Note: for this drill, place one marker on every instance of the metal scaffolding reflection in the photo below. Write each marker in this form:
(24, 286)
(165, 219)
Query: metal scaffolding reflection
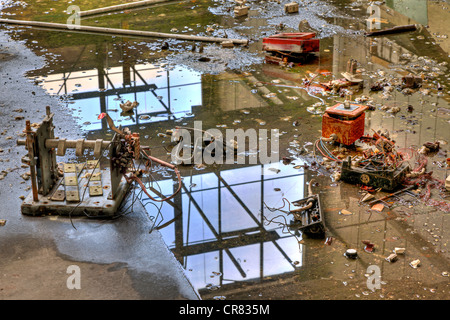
(246, 236)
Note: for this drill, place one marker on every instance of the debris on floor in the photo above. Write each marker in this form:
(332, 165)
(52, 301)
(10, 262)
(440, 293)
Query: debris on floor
(369, 247)
(329, 240)
(128, 106)
(377, 207)
(412, 81)
(240, 11)
(283, 48)
(345, 212)
(291, 7)
(392, 257)
(415, 263)
(351, 254)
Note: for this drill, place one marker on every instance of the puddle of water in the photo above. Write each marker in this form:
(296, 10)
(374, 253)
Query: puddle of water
(163, 93)
(221, 237)
(219, 227)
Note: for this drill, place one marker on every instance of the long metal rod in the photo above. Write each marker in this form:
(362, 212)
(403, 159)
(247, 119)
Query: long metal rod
(120, 7)
(30, 146)
(114, 31)
(391, 195)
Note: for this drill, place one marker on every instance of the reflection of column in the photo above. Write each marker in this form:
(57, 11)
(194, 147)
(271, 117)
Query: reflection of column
(101, 82)
(261, 245)
(168, 92)
(177, 212)
(219, 219)
(126, 72)
(126, 67)
(336, 50)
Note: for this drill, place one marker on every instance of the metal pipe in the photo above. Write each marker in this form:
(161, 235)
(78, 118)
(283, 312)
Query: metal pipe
(392, 194)
(120, 7)
(29, 143)
(72, 144)
(114, 31)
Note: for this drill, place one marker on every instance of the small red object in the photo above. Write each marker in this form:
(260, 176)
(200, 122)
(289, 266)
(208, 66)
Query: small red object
(370, 247)
(101, 115)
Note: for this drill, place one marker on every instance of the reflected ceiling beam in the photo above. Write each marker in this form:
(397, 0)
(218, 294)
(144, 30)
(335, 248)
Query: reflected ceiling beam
(110, 83)
(154, 93)
(68, 76)
(111, 92)
(243, 205)
(225, 244)
(249, 182)
(250, 213)
(225, 240)
(213, 230)
(162, 102)
(139, 75)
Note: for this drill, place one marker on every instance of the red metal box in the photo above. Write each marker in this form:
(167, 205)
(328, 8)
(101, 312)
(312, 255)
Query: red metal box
(347, 123)
(301, 42)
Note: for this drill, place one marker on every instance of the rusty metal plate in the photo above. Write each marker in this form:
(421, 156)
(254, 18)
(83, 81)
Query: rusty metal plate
(95, 191)
(72, 195)
(96, 176)
(58, 195)
(80, 167)
(69, 168)
(91, 164)
(70, 181)
(95, 184)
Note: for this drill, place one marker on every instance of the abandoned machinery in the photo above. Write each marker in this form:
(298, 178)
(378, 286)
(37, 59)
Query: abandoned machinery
(82, 188)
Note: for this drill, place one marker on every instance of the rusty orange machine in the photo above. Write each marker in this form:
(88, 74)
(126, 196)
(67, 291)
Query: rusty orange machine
(344, 122)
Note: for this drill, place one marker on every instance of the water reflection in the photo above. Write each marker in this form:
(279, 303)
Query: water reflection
(417, 10)
(162, 92)
(219, 229)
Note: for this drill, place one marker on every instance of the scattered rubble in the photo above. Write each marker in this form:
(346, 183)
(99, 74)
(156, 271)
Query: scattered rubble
(128, 106)
(415, 263)
(351, 254)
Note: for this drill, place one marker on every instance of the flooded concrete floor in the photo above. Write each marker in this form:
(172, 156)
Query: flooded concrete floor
(219, 227)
